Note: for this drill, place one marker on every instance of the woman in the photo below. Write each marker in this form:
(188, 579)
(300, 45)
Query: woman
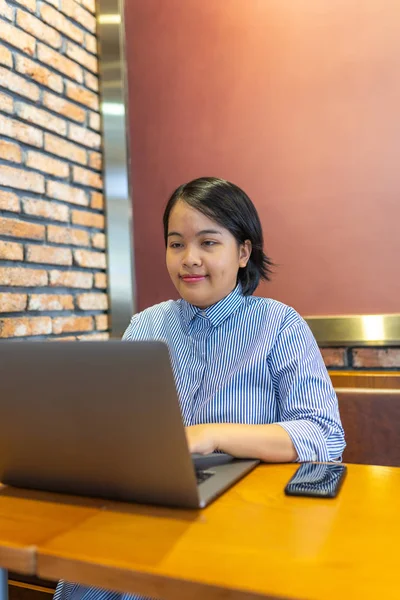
(250, 377)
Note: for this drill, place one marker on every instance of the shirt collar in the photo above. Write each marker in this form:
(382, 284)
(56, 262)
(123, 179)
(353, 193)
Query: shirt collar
(217, 313)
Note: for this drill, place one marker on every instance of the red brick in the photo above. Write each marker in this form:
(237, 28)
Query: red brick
(94, 121)
(54, 3)
(67, 193)
(22, 180)
(24, 327)
(100, 281)
(64, 149)
(334, 357)
(19, 131)
(91, 81)
(71, 279)
(49, 255)
(46, 210)
(376, 358)
(72, 324)
(47, 164)
(90, 260)
(101, 322)
(21, 229)
(5, 10)
(80, 15)
(5, 57)
(89, 4)
(38, 29)
(99, 241)
(17, 38)
(6, 103)
(40, 117)
(29, 4)
(9, 201)
(31, 69)
(95, 161)
(91, 43)
(18, 84)
(63, 107)
(67, 235)
(95, 337)
(60, 63)
(86, 177)
(59, 22)
(16, 276)
(82, 57)
(11, 152)
(81, 95)
(96, 200)
(87, 219)
(84, 136)
(13, 302)
(95, 301)
(50, 302)
(11, 251)
(65, 338)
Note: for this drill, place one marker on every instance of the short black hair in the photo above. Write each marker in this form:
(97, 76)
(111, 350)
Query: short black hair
(229, 206)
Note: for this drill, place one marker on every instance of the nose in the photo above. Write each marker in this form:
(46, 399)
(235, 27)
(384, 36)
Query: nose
(191, 257)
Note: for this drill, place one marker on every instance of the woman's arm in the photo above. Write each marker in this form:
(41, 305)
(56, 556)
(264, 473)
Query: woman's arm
(269, 443)
(308, 426)
(307, 403)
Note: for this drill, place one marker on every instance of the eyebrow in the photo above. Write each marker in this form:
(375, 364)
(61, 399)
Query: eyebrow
(202, 232)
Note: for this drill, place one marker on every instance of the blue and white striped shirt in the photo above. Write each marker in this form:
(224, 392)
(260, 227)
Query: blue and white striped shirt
(244, 360)
(248, 360)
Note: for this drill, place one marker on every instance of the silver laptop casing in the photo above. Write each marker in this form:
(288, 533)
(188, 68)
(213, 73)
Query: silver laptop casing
(99, 419)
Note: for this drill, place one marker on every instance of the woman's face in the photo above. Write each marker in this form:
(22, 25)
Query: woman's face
(203, 258)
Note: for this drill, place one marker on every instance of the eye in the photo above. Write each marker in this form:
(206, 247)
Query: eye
(209, 243)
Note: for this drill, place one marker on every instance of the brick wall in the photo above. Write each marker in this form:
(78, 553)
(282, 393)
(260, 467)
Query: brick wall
(381, 358)
(53, 279)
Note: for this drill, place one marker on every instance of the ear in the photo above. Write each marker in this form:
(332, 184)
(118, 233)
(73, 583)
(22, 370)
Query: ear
(244, 253)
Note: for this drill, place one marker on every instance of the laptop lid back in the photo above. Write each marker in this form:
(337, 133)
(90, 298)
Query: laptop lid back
(94, 418)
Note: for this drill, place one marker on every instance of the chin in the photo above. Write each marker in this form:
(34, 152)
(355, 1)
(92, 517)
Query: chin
(193, 298)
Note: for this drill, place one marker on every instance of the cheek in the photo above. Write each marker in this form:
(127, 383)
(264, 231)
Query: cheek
(172, 264)
(218, 269)
(224, 265)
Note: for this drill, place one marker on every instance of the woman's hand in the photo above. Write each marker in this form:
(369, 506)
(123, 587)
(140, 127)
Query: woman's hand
(202, 439)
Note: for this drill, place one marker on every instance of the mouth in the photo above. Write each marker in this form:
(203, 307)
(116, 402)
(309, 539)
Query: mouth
(192, 278)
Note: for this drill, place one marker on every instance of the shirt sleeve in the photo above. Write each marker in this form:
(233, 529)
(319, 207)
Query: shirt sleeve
(307, 403)
(130, 331)
(142, 328)
(139, 329)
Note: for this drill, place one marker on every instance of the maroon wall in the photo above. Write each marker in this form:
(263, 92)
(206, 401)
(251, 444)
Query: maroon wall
(298, 103)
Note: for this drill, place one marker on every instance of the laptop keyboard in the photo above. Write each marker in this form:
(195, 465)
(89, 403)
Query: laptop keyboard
(203, 476)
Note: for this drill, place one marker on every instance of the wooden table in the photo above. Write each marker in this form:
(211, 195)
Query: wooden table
(254, 542)
(29, 518)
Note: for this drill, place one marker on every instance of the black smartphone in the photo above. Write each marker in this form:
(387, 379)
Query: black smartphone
(320, 480)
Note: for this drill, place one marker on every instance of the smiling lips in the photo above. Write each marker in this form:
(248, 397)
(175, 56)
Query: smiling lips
(193, 278)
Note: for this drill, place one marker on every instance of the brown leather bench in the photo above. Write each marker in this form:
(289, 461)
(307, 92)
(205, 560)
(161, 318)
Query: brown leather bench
(371, 421)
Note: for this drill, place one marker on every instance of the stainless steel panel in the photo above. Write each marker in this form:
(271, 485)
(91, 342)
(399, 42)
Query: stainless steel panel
(116, 164)
(372, 330)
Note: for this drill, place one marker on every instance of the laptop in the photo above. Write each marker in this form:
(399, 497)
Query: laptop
(102, 419)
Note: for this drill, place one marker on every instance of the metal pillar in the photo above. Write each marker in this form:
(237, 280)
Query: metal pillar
(3, 584)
